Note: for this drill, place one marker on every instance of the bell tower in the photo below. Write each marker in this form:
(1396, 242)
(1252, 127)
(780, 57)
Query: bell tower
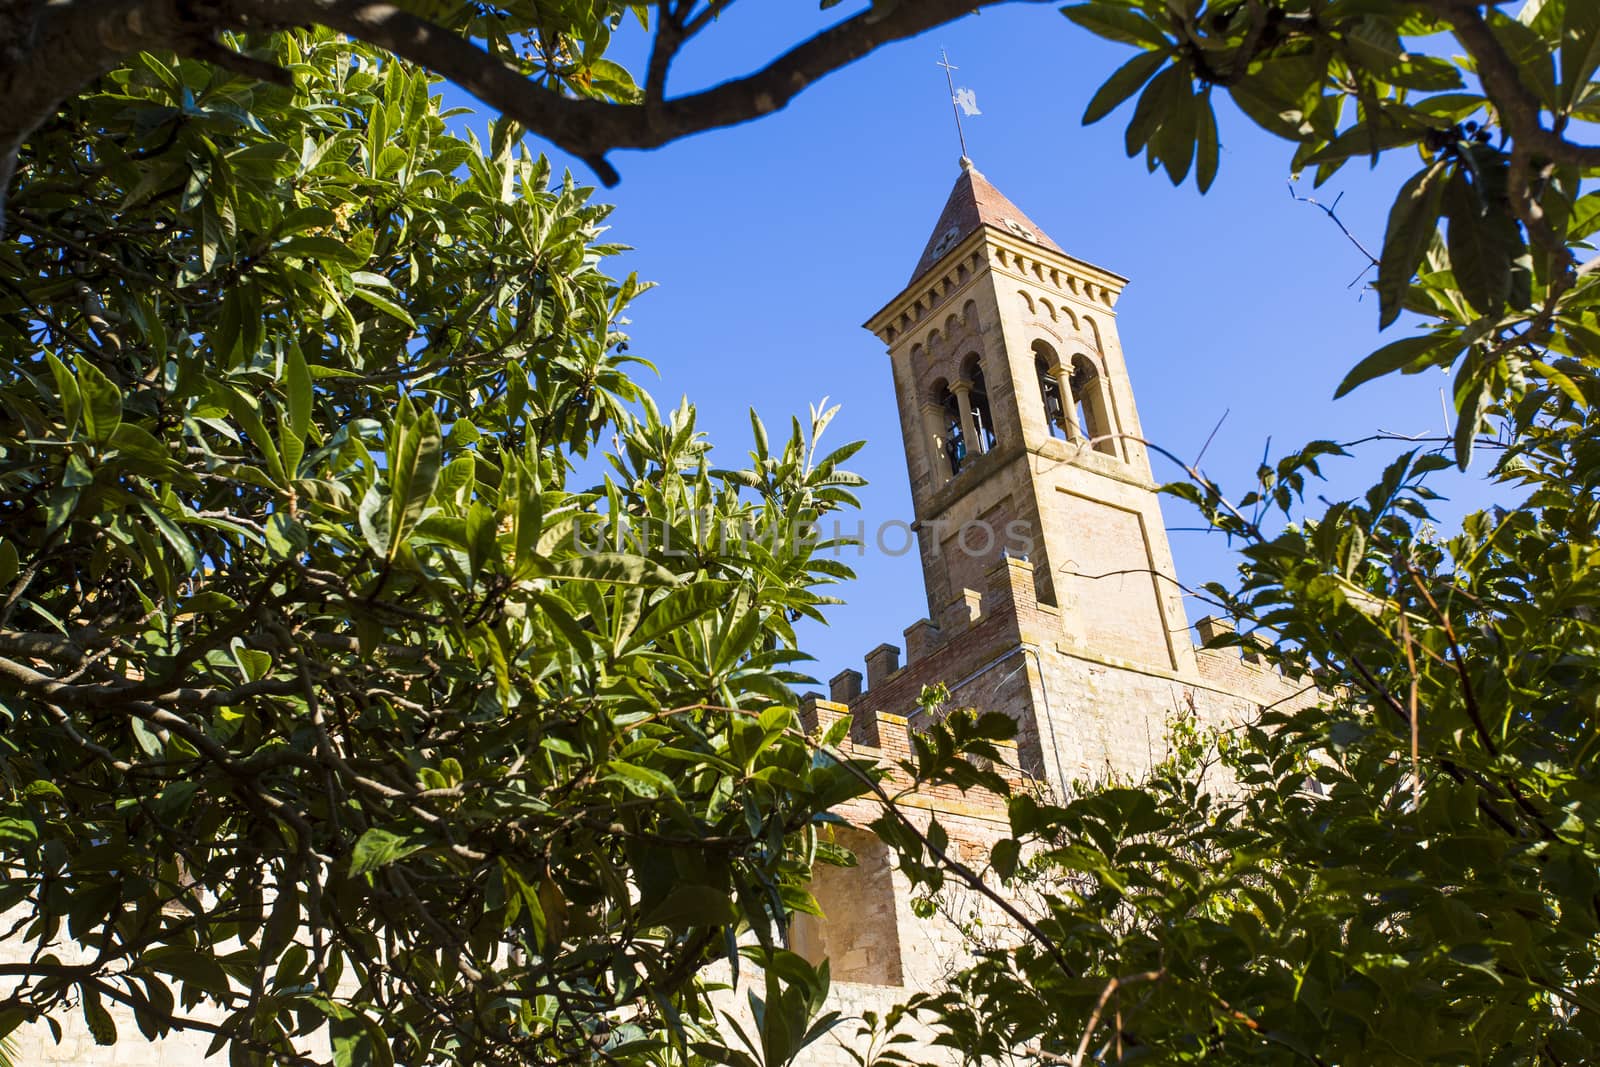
(1050, 584)
(1021, 435)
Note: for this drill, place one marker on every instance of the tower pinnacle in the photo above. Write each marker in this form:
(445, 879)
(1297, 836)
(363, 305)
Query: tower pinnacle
(973, 203)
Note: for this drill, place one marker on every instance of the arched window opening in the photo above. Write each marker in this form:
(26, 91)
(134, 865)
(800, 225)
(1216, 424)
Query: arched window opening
(978, 401)
(1055, 408)
(1094, 405)
(952, 442)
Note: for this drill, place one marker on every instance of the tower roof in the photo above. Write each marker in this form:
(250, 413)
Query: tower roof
(974, 203)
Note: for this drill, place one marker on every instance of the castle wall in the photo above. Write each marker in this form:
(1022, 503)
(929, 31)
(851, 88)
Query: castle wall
(1084, 716)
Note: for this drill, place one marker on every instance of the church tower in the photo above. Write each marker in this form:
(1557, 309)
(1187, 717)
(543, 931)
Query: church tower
(1021, 434)
(1050, 585)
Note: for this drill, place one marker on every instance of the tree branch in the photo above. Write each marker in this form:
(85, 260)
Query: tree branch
(590, 128)
(76, 41)
(1519, 109)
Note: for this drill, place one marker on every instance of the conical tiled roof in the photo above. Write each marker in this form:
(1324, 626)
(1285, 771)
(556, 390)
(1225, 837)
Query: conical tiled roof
(973, 203)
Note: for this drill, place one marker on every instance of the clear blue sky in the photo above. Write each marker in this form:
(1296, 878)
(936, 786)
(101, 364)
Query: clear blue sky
(773, 241)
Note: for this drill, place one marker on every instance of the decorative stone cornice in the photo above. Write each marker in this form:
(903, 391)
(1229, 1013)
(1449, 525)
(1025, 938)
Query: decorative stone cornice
(989, 248)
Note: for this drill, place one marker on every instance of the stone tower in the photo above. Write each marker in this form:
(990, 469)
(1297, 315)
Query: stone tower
(1020, 430)
(1050, 585)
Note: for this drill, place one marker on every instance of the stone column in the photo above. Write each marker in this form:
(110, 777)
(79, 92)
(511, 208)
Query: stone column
(933, 435)
(1069, 406)
(969, 430)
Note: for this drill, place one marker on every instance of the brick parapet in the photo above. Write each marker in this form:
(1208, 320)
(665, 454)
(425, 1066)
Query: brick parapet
(891, 743)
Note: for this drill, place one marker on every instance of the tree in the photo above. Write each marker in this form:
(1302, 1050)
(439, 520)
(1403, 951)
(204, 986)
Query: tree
(1408, 872)
(332, 695)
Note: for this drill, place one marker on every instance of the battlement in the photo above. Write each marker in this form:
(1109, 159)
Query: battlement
(1226, 657)
(884, 739)
(1009, 602)
(1001, 649)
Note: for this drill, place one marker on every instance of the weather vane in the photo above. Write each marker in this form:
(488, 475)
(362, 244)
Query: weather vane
(962, 101)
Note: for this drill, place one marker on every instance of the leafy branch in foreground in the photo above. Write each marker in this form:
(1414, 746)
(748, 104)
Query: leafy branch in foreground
(1496, 128)
(332, 699)
(543, 65)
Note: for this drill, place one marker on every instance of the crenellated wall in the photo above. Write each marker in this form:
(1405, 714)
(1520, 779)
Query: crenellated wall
(1081, 711)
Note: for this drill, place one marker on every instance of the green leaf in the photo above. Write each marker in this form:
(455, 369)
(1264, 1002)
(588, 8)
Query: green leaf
(678, 608)
(1409, 353)
(298, 391)
(189, 965)
(1413, 220)
(1474, 393)
(358, 1042)
(99, 1022)
(308, 246)
(642, 781)
(387, 306)
(1117, 23)
(1174, 139)
(1205, 167)
(285, 537)
(67, 389)
(188, 558)
(1580, 49)
(1483, 244)
(253, 663)
(102, 402)
(1162, 91)
(378, 848)
(689, 905)
(243, 410)
(1366, 139)
(134, 440)
(1123, 84)
(413, 471)
(1004, 857)
(1562, 382)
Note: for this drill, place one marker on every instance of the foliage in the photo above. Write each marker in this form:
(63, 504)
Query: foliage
(1499, 283)
(1406, 872)
(333, 698)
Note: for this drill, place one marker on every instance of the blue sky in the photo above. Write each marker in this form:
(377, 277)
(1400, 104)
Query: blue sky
(774, 240)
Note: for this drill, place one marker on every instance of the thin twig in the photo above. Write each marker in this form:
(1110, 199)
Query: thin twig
(1331, 211)
(1100, 1006)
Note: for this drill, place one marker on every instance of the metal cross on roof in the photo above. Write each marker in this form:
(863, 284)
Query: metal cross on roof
(956, 103)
